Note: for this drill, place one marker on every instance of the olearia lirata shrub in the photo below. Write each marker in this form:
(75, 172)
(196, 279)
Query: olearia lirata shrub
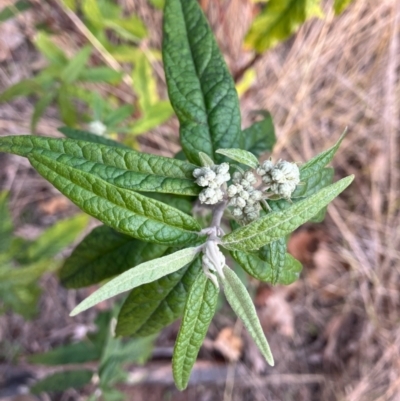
(150, 243)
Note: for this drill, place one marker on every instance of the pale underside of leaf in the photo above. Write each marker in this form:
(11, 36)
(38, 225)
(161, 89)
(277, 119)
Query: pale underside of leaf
(199, 311)
(242, 304)
(241, 156)
(141, 274)
(153, 306)
(278, 224)
(123, 210)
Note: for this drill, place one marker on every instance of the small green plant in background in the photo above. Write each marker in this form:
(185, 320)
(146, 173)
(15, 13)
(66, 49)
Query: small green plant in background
(102, 347)
(151, 244)
(23, 262)
(279, 19)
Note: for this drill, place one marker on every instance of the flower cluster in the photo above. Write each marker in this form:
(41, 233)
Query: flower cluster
(244, 197)
(97, 128)
(213, 178)
(281, 179)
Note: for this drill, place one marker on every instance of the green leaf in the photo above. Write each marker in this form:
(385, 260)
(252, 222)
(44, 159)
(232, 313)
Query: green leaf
(118, 115)
(241, 156)
(80, 352)
(144, 273)
(77, 134)
(205, 160)
(23, 88)
(260, 137)
(13, 10)
(76, 65)
(105, 253)
(155, 305)
(340, 5)
(53, 240)
(200, 88)
(158, 3)
(320, 179)
(6, 225)
(52, 52)
(39, 109)
(154, 116)
(144, 83)
(123, 210)
(279, 20)
(199, 311)
(100, 74)
(278, 224)
(131, 28)
(183, 203)
(123, 168)
(66, 106)
(318, 162)
(241, 303)
(61, 381)
(260, 269)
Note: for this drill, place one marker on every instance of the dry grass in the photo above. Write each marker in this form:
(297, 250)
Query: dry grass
(338, 72)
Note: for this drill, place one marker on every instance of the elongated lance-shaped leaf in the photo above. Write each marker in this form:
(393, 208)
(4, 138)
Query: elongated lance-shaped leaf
(126, 211)
(278, 224)
(78, 134)
(199, 311)
(155, 305)
(105, 253)
(260, 136)
(260, 269)
(200, 88)
(121, 167)
(318, 162)
(320, 179)
(142, 274)
(241, 156)
(241, 303)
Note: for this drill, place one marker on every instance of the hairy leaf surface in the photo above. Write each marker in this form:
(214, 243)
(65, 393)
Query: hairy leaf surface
(278, 224)
(121, 167)
(241, 303)
(155, 305)
(105, 253)
(199, 311)
(126, 211)
(241, 156)
(318, 162)
(200, 88)
(142, 274)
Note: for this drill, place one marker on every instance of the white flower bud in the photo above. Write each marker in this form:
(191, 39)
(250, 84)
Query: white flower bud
(252, 216)
(260, 171)
(97, 128)
(245, 184)
(232, 190)
(241, 202)
(209, 175)
(233, 202)
(267, 166)
(244, 195)
(236, 177)
(237, 212)
(249, 209)
(197, 172)
(267, 179)
(256, 195)
(202, 181)
(249, 176)
(277, 175)
(223, 168)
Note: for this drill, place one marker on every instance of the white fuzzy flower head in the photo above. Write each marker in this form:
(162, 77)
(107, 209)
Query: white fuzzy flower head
(97, 128)
(212, 179)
